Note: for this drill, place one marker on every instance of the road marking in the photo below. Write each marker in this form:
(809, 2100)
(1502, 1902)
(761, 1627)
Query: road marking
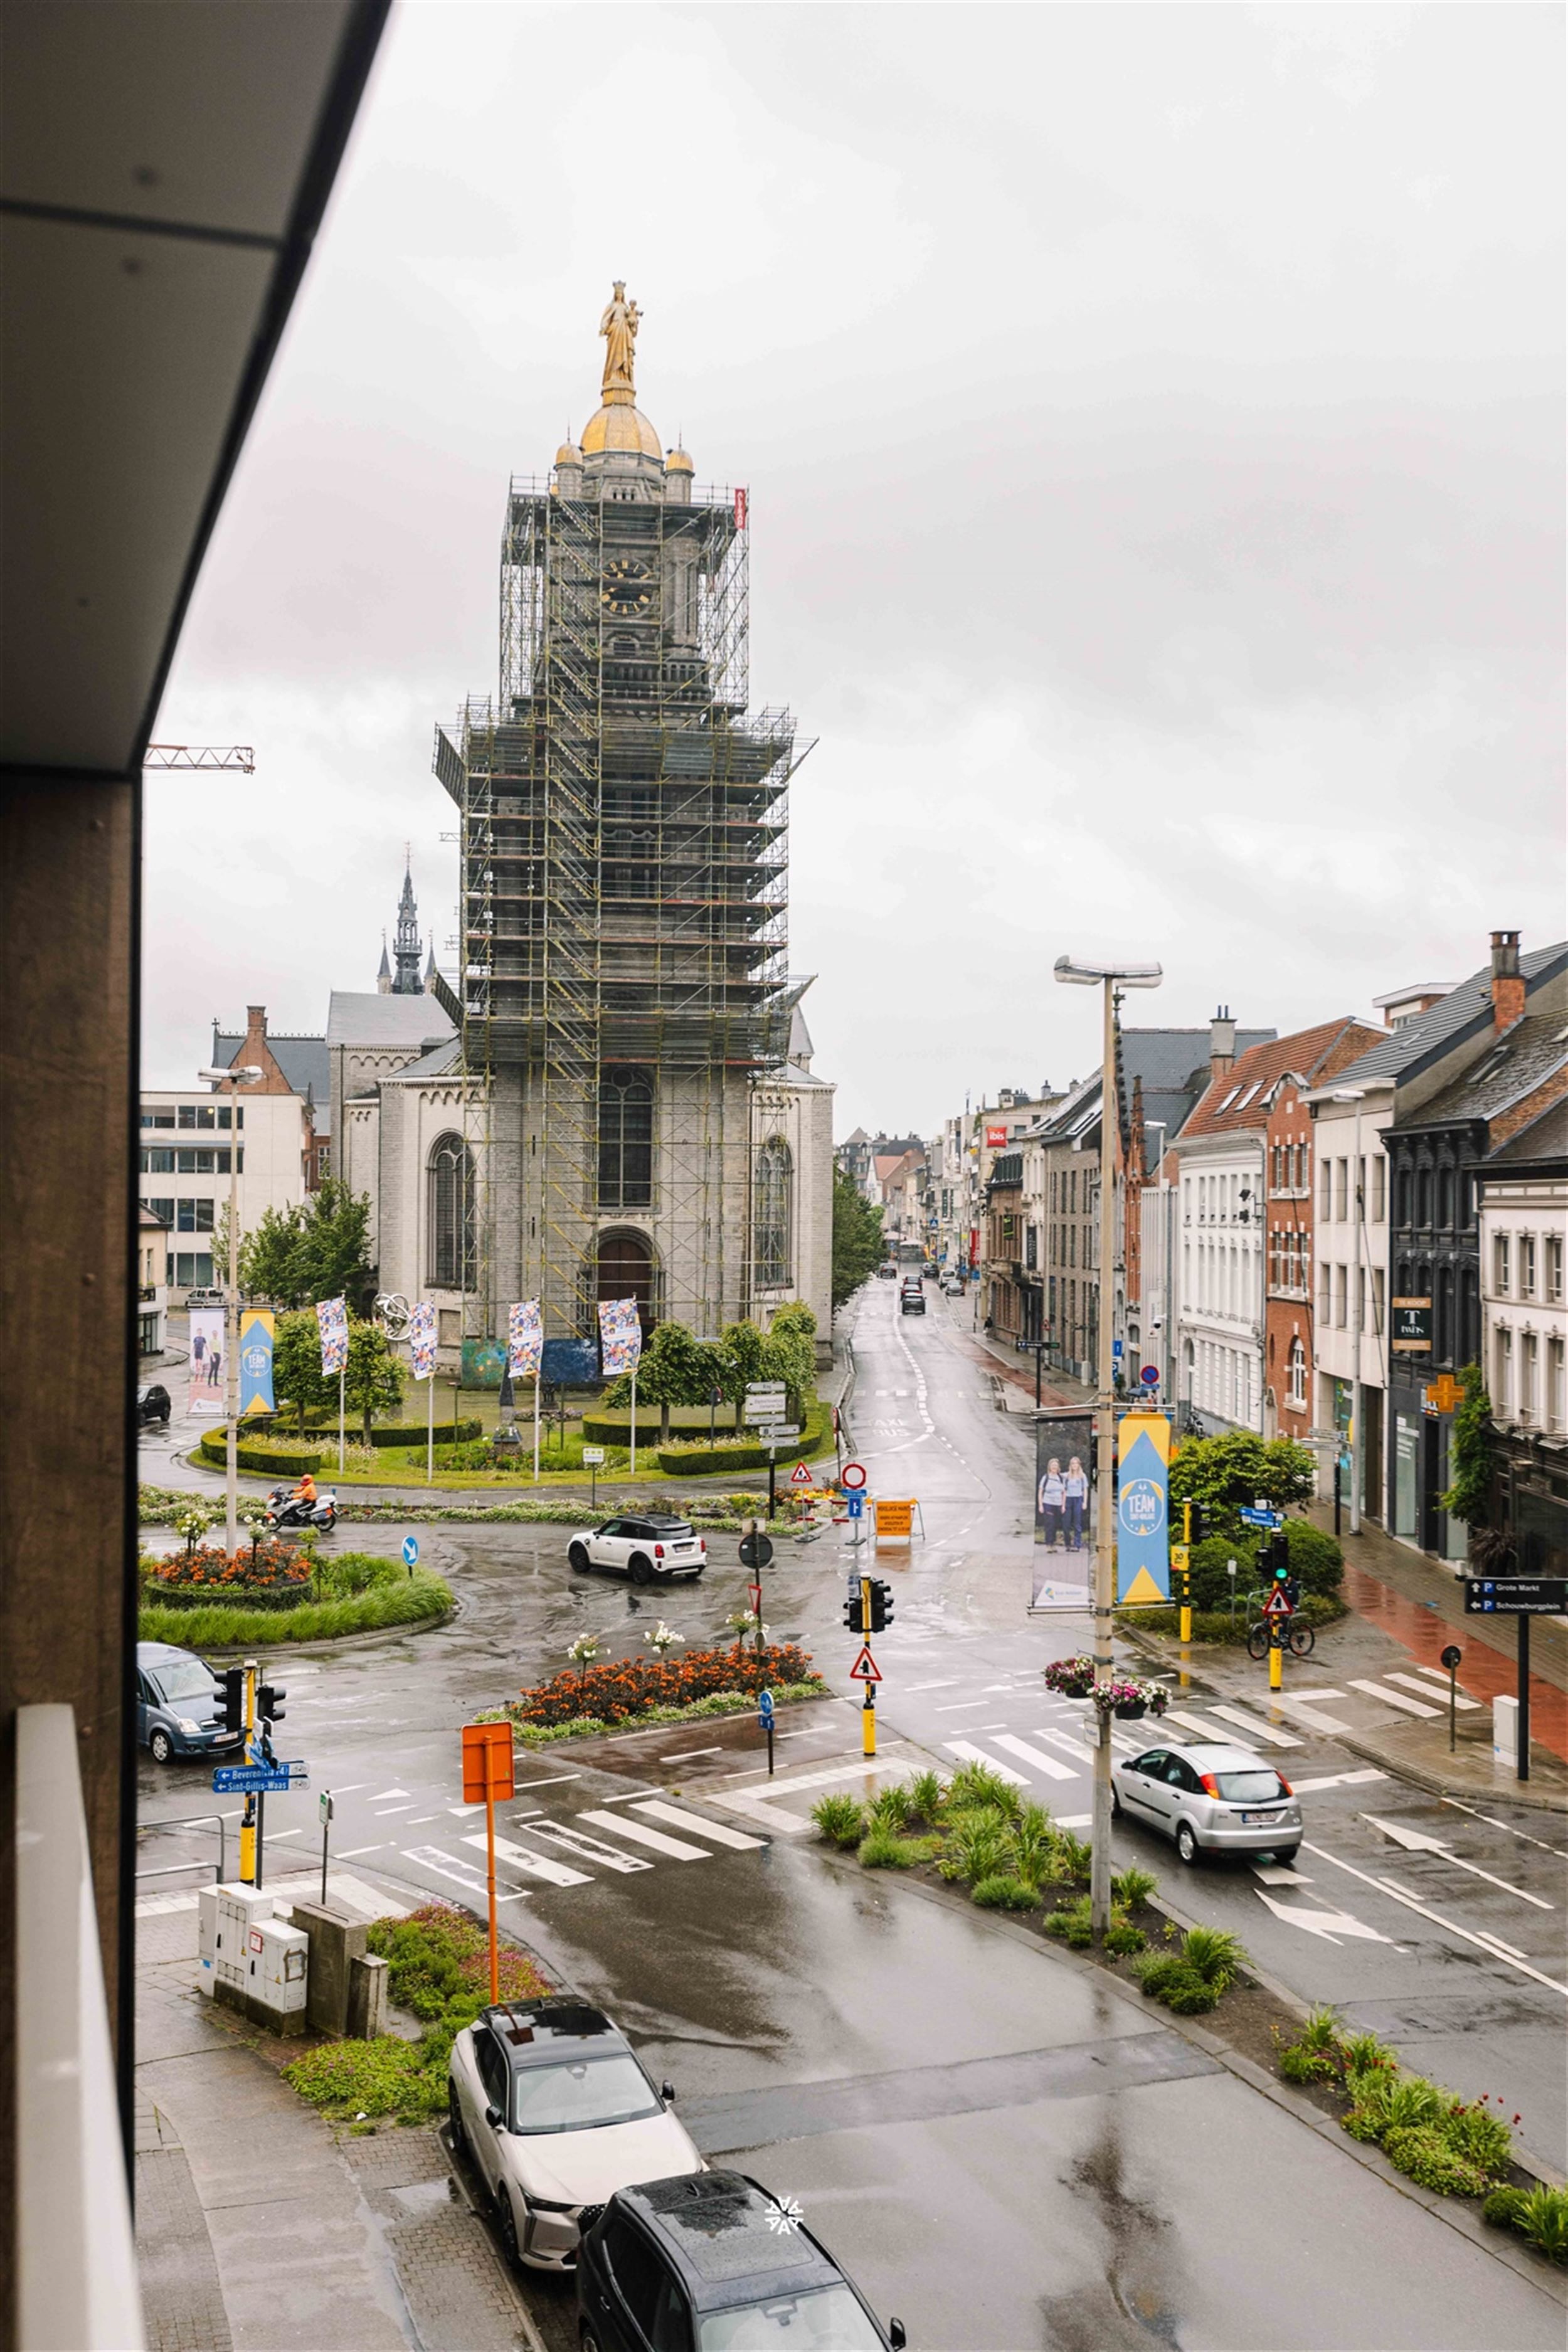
(625, 1796)
(1263, 1731)
(1492, 1823)
(959, 1706)
(416, 1824)
(432, 1857)
(388, 1813)
(350, 1852)
(590, 1849)
(1075, 1821)
(1339, 1780)
(1331, 1925)
(1417, 1841)
(1272, 1876)
(1391, 1699)
(1409, 1901)
(1204, 1729)
(972, 1754)
(382, 1796)
(714, 1831)
(1460, 1701)
(640, 1832)
(1306, 1707)
(950, 1683)
(1044, 1763)
(276, 1837)
(687, 1754)
(553, 1782)
(808, 1731)
(1511, 1949)
(537, 1866)
(462, 1812)
(772, 1816)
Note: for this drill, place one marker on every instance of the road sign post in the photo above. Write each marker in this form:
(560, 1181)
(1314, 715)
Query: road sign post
(765, 1717)
(411, 1543)
(1451, 1659)
(591, 1457)
(487, 1775)
(325, 1809)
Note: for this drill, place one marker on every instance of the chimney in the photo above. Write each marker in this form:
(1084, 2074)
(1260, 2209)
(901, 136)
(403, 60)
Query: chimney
(1508, 987)
(257, 1053)
(1221, 1045)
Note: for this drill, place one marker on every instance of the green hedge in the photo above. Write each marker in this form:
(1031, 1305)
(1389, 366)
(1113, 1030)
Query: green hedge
(284, 1461)
(416, 1432)
(406, 1601)
(744, 1452)
(1315, 1557)
(615, 1428)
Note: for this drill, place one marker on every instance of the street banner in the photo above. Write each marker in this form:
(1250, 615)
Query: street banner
(1142, 1519)
(422, 1339)
(570, 1364)
(333, 1322)
(205, 1396)
(1064, 1511)
(256, 1333)
(620, 1336)
(525, 1337)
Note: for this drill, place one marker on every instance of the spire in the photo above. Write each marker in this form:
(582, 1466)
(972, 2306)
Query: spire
(430, 968)
(383, 977)
(406, 939)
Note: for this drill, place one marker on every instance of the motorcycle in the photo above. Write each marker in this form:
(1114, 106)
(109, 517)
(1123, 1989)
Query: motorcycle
(287, 1509)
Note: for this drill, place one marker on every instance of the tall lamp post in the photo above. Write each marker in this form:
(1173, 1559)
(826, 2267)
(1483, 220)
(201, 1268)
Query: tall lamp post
(1108, 978)
(241, 1075)
(1358, 1211)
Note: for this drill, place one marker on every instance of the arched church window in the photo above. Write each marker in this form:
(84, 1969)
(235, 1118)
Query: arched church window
(772, 1185)
(624, 1268)
(626, 1140)
(452, 1253)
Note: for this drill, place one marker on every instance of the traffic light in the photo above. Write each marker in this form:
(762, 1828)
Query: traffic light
(855, 1610)
(1198, 1522)
(1278, 1557)
(882, 1606)
(231, 1685)
(268, 1695)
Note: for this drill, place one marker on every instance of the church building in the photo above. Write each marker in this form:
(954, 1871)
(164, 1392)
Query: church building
(613, 1097)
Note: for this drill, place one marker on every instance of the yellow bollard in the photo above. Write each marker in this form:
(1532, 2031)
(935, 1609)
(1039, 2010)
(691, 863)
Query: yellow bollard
(1276, 1665)
(869, 1721)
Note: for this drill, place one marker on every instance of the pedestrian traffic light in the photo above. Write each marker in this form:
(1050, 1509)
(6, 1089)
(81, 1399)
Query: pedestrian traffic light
(855, 1610)
(268, 1695)
(882, 1606)
(1197, 1522)
(231, 1685)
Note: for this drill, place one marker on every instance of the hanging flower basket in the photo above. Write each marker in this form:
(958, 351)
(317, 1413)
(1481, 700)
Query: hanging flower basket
(1073, 1677)
(1129, 1700)
(1129, 1710)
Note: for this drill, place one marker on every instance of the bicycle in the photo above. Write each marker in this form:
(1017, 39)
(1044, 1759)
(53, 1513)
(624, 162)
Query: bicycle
(1299, 1639)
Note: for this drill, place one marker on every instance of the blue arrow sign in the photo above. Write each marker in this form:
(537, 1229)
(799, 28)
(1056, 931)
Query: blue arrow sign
(765, 1707)
(252, 1780)
(855, 1506)
(410, 1550)
(1261, 1518)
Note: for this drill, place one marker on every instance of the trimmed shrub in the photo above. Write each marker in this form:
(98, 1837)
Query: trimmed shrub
(693, 1460)
(1479, 2137)
(399, 1600)
(252, 1454)
(1503, 2208)
(416, 1433)
(1073, 1925)
(1315, 1557)
(1001, 1892)
(1421, 2152)
(1121, 1938)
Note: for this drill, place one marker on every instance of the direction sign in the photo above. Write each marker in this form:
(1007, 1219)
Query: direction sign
(1261, 1518)
(410, 1550)
(852, 1478)
(764, 1387)
(1516, 1596)
(800, 1476)
(775, 1432)
(592, 1456)
(1278, 1603)
(864, 1668)
(765, 1707)
(855, 1506)
(768, 1408)
(252, 1780)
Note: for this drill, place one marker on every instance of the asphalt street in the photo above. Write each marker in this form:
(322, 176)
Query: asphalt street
(1005, 2153)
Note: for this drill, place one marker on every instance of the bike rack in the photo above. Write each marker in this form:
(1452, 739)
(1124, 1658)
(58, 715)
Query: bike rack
(191, 1822)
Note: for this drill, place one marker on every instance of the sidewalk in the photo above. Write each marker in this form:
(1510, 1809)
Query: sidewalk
(259, 2227)
(1058, 1391)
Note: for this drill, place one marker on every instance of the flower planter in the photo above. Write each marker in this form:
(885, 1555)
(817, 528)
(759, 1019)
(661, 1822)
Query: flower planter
(1129, 1710)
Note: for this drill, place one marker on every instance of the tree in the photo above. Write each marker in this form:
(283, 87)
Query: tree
(1237, 1468)
(1470, 1454)
(373, 1378)
(333, 1254)
(270, 1264)
(789, 1349)
(858, 1247)
(297, 1375)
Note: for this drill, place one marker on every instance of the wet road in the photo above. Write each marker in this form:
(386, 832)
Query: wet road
(1005, 2152)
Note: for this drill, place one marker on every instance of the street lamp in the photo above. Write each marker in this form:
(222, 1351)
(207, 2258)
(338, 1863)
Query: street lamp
(1109, 978)
(1354, 1095)
(245, 1074)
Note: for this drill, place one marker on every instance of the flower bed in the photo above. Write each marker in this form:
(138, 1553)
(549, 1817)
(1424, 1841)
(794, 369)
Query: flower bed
(351, 1593)
(273, 1567)
(629, 1687)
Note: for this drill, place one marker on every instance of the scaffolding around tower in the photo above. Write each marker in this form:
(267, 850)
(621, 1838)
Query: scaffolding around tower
(624, 910)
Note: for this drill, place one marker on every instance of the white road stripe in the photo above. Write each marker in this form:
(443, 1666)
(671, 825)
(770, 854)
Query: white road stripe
(1460, 1702)
(432, 1857)
(1339, 1780)
(1048, 1765)
(591, 1849)
(639, 1832)
(1198, 1723)
(523, 1857)
(1390, 1698)
(382, 1795)
(1304, 1705)
(687, 1755)
(356, 1849)
(1065, 1740)
(969, 1754)
(714, 1831)
(1264, 1731)
(1410, 1903)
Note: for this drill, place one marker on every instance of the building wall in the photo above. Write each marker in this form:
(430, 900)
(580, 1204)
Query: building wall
(1523, 1223)
(799, 1108)
(1289, 1396)
(1220, 1325)
(271, 1136)
(1333, 1284)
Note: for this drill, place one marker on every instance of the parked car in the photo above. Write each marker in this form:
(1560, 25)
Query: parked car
(886, 1273)
(912, 1296)
(651, 1548)
(709, 2261)
(549, 2100)
(1210, 1801)
(207, 1297)
(178, 1704)
(153, 1405)
(951, 1287)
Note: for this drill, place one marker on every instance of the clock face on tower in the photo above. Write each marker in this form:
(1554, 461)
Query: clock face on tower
(626, 588)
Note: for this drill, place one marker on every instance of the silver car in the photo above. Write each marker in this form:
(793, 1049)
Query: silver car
(1210, 1799)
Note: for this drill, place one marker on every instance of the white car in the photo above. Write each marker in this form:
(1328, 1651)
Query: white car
(650, 1547)
(1211, 1800)
(549, 2100)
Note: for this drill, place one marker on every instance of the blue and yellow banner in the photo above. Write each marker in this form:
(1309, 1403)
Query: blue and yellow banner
(1142, 1519)
(256, 1334)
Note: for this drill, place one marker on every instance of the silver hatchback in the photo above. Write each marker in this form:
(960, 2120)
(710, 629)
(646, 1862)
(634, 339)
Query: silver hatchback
(1210, 1801)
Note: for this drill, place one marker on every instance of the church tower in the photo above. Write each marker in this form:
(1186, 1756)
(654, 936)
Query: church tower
(624, 887)
(406, 942)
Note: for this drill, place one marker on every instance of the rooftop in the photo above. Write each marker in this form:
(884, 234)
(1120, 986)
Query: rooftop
(1400, 1052)
(358, 1018)
(1239, 1101)
(1503, 1069)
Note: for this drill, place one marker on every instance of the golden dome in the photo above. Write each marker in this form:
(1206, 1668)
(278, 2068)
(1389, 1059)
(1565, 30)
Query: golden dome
(568, 454)
(678, 462)
(620, 427)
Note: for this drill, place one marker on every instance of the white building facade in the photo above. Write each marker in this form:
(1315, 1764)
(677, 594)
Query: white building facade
(187, 1139)
(1523, 1212)
(1342, 1275)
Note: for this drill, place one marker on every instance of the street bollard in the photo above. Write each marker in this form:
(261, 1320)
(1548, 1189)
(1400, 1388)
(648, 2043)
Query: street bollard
(1275, 1657)
(869, 1721)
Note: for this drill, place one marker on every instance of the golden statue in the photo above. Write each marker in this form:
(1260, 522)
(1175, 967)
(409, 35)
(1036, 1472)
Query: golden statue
(619, 327)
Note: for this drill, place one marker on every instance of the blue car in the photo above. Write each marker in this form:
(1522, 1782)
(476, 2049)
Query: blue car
(179, 1707)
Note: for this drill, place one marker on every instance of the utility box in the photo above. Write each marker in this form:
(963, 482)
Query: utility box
(224, 1916)
(1505, 1729)
(336, 1943)
(278, 1975)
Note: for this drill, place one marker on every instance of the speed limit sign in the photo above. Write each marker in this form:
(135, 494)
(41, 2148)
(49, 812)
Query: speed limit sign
(853, 1477)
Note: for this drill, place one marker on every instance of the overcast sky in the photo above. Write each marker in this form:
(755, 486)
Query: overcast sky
(1152, 423)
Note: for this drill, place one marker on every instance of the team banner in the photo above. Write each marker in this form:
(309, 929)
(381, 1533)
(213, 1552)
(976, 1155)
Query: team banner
(422, 1339)
(620, 1335)
(1142, 1519)
(257, 1329)
(1064, 1511)
(525, 1337)
(204, 1395)
(333, 1322)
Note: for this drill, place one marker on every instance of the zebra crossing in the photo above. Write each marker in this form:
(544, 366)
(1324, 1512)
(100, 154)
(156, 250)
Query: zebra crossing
(598, 1843)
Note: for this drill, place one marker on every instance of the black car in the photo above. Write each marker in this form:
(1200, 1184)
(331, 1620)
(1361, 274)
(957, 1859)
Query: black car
(709, 2263)
(153, 1405)
(912, 1296)
(178, 1704)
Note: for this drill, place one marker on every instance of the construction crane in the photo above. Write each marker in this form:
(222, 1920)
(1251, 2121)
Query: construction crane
(201, 755)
